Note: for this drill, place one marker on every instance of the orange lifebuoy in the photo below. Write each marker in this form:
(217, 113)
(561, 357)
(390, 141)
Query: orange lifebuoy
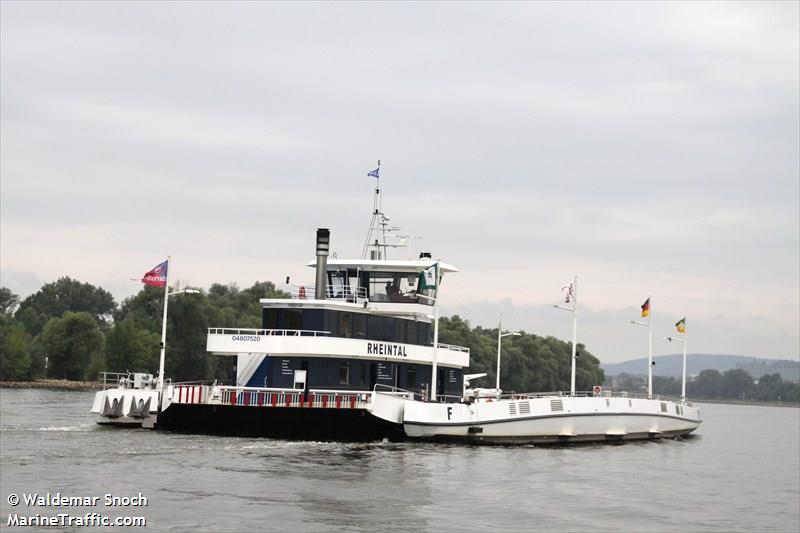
(596, 390)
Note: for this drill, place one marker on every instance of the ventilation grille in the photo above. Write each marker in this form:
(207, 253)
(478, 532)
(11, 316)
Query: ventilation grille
(512, 408)
(524, 408)
(556, 404)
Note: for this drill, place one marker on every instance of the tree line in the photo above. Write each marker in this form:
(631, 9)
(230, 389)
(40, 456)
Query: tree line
(711, 384)
(73, 330)
(80, 331)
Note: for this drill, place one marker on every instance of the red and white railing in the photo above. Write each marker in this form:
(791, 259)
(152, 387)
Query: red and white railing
(269, 397)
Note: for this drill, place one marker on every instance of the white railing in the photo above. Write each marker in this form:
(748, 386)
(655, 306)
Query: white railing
(453, 347)
(395, 391)
(267, 332)
(109, 380)
(580, 394)
(332, 292)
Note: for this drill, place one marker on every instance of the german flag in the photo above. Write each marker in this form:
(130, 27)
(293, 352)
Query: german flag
(646, 308)
(680, 325)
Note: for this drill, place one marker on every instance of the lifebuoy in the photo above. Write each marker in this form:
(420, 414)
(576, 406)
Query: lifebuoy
(596, 390)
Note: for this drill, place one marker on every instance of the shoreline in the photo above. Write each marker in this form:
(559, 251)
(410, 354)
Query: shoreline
(51, 384)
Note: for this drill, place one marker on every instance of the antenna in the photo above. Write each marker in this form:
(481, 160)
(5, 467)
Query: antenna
(375, 245)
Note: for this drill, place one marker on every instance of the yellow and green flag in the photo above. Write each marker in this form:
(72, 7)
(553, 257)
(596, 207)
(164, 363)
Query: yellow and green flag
(680, 325)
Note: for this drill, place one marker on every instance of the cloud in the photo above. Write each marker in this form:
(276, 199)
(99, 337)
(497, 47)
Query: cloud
(648, 148)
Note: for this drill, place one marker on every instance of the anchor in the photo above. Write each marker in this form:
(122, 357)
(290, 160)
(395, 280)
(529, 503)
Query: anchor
(142, 411)
(112, 410)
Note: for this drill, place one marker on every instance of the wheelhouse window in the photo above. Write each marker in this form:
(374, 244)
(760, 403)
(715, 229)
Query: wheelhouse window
(397, 287)
(344, 374)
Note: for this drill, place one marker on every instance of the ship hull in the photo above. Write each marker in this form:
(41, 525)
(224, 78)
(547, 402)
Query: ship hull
(526, 419)
(559, 429)
(279, 422)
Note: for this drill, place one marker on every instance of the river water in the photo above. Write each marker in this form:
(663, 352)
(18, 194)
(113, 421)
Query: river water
(741, 472)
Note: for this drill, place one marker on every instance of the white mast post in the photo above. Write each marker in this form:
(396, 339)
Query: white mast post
(682, 341)
(574, 311)
(164, 329)
(649, 325)
(650, 347)
(574, 333)
(499, 336)
(683, 383)
(434, 367)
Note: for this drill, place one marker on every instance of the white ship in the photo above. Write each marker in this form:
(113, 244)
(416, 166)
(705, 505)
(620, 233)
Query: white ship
(355, 356)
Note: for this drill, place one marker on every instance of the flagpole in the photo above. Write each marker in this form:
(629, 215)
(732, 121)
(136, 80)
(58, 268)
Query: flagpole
(649, 306)
(435, 300)
(650, 348)
(164, 330)
(500, 336)
(683, 383)
(434, 367)
(572, 297)
(574, 335)
(681, 326)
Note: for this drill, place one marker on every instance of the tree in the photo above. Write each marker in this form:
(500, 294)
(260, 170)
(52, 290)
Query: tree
(8, 304)
(65, 294)
(15, 359)
(74, 345)
(130, 348)
(737, 384)
(708, 384)
(187, 328)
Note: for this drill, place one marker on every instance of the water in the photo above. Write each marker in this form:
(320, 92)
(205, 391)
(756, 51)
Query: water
(740, 473)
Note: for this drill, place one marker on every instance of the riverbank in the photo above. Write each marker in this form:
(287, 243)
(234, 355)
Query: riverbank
(52, 384)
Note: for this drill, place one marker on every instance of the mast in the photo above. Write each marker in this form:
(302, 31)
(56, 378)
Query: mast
(681, 327)
(650, 351)
(377, 224)
(574, 334)
(572, 297)
(649, 324)
(683, 381)
(435, 365)
(499, 337)
(164, 330)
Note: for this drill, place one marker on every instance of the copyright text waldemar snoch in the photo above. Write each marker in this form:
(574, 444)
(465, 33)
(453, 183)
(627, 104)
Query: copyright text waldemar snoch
(72, 511)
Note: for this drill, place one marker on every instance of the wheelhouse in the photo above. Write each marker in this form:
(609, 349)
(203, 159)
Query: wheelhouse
(371, 324)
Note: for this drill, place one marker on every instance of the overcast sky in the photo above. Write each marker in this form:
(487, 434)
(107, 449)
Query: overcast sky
(648, 148)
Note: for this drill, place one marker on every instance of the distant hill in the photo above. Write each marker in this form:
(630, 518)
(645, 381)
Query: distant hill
(671, 365)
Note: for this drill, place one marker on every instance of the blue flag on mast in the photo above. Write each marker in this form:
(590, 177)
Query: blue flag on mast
(374, 173)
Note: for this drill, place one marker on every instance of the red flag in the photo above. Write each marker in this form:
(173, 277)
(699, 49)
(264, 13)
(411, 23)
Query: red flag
(158, 276)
